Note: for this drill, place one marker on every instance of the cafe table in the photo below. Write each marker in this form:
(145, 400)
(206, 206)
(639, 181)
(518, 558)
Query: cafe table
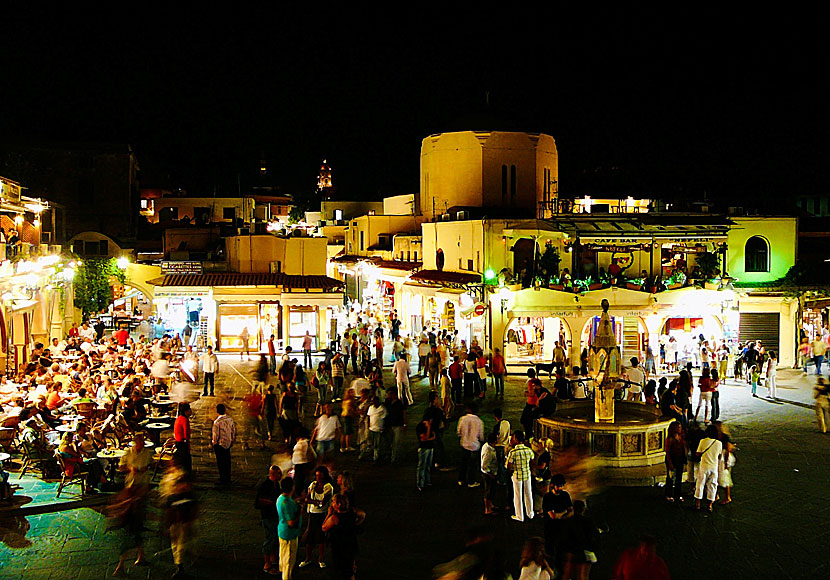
(65, 428)
(155, 430)
(112, 457)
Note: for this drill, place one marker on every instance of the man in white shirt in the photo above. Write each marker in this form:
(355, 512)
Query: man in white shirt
(471, 435)
(377, 416)
(222, 438)
(709, 450)
(401, 371)
(326, 432)
(637, 378)
(210, 364)
(86, 332)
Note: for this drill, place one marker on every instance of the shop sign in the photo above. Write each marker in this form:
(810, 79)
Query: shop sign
(561, 314)
(182, 293)
(640, 313)
(692, 239)
(616, 248)
(613, 241)
(191, 267)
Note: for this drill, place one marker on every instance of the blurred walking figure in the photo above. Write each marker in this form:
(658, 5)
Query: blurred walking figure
(642, 562)
(534, 561)
(822, 396)
(181, 509)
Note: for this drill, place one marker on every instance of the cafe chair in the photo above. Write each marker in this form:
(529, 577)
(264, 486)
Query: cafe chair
(33, 460)
(87, 410)
(162, 458)
(79, 477)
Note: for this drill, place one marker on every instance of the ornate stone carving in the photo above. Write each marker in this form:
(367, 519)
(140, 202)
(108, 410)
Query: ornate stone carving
(605, 444)
(655, 441)
(632, 444)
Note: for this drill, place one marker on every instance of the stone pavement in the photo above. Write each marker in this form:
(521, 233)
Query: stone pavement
(773, 529)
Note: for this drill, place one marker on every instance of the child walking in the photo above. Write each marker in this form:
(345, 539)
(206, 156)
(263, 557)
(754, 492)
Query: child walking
(754, 377)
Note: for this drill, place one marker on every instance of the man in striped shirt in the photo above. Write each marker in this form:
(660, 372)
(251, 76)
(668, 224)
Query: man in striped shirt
(518, 461)
(222, 438)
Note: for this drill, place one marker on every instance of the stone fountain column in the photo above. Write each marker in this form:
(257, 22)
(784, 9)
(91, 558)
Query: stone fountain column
(606, 366)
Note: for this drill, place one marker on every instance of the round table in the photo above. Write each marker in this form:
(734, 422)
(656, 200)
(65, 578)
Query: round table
(113, 458)
(4, 457)
(72, 418)
(155, 430)
(65, 428)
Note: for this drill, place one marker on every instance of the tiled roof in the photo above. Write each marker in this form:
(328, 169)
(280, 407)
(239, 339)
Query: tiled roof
(397, 264)
(446, 277)
(291, 281)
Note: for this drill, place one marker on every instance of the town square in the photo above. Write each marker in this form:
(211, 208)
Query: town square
(324, 302)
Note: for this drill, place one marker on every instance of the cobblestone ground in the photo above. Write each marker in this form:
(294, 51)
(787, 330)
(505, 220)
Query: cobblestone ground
(773, 529)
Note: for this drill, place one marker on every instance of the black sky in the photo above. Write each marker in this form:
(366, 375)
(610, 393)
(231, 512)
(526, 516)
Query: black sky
(639, 102)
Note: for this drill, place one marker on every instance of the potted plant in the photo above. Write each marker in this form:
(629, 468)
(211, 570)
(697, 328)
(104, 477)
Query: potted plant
(634, 284)
(675, 281)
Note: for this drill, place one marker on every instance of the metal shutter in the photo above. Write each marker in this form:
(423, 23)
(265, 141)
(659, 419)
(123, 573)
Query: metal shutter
(763, 326)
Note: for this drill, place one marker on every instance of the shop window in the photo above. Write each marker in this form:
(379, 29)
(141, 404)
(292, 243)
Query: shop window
(756, 255)
(300, 320)
(103, 248)
(78, 247)
(229, 213)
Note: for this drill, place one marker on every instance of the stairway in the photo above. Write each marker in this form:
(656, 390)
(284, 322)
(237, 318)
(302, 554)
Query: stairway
(631, 339)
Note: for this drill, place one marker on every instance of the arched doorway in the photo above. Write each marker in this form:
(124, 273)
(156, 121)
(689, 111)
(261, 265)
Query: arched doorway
(529, 339)
(681, 338)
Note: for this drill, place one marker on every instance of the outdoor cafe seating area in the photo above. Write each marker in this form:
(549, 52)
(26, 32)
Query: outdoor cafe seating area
(69, 418)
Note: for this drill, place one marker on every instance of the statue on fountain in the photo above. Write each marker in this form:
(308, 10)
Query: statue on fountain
(606, 367)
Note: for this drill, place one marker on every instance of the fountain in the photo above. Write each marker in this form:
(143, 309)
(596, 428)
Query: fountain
(624, 439)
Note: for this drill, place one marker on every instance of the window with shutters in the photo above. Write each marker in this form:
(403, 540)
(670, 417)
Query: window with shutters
(756, 255)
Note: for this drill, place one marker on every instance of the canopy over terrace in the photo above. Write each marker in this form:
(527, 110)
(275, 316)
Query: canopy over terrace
(647, 233)
(286, 305)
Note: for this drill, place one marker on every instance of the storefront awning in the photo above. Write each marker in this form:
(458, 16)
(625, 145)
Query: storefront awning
(230, 279)
(321, 299)
(444, 277)
(450, 293)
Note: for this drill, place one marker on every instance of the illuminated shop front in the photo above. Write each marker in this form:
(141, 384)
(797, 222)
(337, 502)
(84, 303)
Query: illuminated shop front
(262, 304)
(644, 319)
(177, 308)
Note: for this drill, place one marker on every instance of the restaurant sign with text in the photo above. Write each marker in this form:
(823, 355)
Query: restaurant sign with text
(181, 268)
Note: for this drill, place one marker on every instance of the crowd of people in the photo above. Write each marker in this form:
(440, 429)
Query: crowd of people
(367, 415)
(81, 406)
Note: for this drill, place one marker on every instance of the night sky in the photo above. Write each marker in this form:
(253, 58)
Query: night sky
(723, 104)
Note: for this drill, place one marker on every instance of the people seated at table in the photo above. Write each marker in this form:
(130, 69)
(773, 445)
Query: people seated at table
(74, 460)
(83, 396)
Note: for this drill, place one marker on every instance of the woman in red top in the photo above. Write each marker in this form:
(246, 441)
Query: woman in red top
(532, 401)
(181, 436)
(705, 398)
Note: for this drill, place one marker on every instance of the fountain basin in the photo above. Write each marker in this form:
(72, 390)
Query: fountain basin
(629, 451)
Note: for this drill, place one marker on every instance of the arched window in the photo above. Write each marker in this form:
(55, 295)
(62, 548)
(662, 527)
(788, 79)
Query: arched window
(756, 255)
(439, 259)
